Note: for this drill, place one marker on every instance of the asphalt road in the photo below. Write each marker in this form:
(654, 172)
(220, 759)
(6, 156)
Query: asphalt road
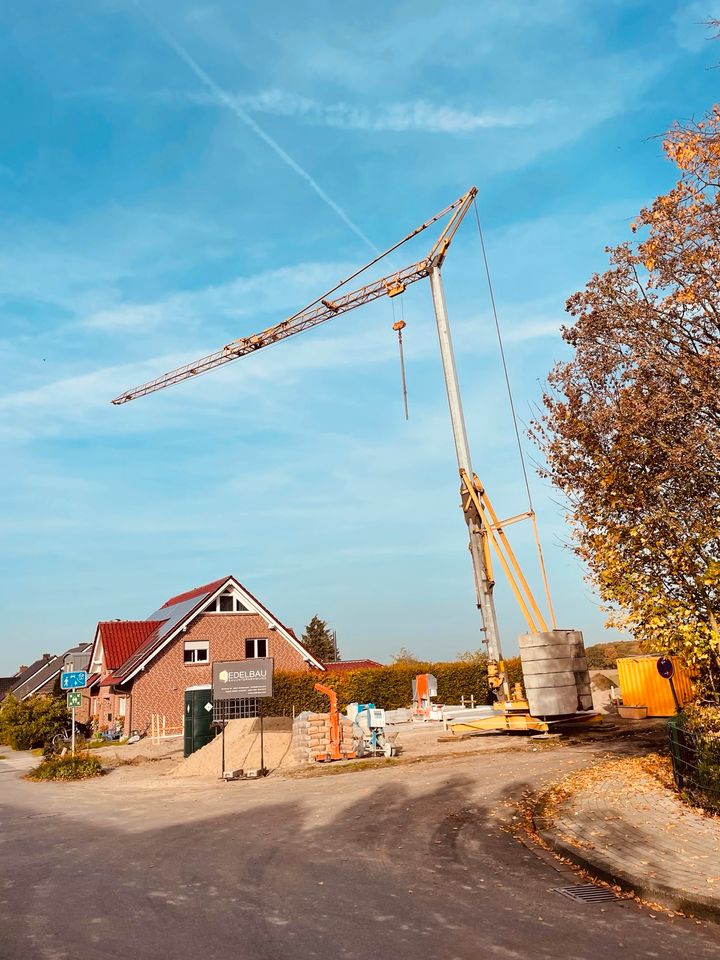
(404, 862)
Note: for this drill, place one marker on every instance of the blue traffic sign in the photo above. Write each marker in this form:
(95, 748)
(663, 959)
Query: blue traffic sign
(73, 681)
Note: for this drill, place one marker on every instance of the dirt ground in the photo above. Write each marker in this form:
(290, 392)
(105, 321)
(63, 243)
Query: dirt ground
(146, 764)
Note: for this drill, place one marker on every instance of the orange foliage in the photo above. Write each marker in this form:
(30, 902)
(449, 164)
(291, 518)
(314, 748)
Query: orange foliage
(631, 431)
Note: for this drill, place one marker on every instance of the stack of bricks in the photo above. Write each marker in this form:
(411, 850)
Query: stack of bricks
(311, 737)
(347, 736)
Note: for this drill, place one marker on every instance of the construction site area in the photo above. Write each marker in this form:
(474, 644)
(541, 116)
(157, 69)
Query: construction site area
(360, 413)
(222, 633)
(554, 691)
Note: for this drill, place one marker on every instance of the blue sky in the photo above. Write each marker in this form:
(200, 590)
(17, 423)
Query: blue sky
(177, 174)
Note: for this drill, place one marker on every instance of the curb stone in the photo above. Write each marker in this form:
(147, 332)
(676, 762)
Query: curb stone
(672, 898)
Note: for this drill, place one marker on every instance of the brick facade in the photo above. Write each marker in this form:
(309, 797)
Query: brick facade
(160, 688)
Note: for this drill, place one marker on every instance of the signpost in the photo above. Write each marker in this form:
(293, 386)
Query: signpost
(666, 669)
(237, 680)
(73, 681)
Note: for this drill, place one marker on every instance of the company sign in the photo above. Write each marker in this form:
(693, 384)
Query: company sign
(243, 679)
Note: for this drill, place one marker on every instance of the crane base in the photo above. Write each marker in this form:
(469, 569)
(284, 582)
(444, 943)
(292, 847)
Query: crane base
(500, 722)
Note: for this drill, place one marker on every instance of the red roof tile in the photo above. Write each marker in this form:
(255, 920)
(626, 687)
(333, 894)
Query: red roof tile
(121, 638)
(109, 680)
(195, 592)
(343, 666)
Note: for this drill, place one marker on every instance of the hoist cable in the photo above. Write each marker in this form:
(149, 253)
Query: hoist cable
(402, 374)
(511, 400)
(381, 256)
(502, 357)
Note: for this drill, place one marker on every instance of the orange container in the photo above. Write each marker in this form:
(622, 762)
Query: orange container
(641, 685)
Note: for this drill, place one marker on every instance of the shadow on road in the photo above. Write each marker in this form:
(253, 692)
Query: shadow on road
(335, 868)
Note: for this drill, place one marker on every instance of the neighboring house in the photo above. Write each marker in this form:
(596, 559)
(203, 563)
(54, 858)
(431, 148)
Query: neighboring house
(7, 683)
(26, 676)
(42, 676)
(39, 678)
(77, 658)
(344, 666)
(143, 667)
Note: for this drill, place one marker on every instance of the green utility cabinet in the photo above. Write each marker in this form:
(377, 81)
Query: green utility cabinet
(197, 723)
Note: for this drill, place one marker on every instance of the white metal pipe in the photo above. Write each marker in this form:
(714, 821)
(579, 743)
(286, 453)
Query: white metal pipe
(483, 586)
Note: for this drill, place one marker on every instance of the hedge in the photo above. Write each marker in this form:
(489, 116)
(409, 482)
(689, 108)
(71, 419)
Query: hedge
(388, 687)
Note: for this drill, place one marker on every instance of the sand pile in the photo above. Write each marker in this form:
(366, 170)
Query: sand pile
(242, 749)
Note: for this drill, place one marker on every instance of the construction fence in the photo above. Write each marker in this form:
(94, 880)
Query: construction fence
(696, 764)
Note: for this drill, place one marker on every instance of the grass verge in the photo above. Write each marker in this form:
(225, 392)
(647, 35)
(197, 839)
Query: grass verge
(80, 767)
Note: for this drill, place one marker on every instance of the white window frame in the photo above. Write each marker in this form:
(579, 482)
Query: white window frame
(194, 647)
(122, 706)
(238, 605)
(96, 665)
(255, 641)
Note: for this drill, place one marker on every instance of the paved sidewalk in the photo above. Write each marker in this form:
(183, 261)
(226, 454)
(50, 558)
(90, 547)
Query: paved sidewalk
(623, 822)
(14, 762)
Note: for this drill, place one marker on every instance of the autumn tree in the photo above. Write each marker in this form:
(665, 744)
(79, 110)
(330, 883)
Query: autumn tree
(320, 641)
(404, 658)
(471, 656)
(25, 724)
(631, 425)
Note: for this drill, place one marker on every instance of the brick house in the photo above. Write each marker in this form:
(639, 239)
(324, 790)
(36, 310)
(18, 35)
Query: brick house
(143, 667)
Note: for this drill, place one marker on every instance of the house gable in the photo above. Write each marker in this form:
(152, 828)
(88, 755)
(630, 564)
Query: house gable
(178, 613)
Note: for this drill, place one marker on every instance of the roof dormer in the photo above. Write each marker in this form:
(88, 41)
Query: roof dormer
(229, 601)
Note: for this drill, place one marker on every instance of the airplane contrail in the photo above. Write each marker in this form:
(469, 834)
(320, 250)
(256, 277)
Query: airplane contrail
(224, 97)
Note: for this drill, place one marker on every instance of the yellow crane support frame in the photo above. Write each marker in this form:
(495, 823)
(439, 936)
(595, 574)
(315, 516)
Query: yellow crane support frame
(476, 504)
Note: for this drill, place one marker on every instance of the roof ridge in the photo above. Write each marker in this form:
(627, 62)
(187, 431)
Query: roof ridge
(196, 591)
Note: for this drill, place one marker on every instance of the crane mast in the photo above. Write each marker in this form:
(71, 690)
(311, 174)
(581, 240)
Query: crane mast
(329, 306)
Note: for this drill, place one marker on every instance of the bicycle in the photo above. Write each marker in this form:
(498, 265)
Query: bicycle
(63, 740)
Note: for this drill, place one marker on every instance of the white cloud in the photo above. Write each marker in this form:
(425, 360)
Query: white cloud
(418, 116)
(270, 290)
(81, 401)
(399, 116)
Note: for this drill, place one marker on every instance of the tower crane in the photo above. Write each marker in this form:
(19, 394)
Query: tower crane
(485, 531)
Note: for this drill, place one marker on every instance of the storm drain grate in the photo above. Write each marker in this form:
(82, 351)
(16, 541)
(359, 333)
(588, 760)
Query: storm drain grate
(586, 893)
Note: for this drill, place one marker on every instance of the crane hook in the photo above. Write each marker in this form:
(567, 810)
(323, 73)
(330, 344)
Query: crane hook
(399, 326)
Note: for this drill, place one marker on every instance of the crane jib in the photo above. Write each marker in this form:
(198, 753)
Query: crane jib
(311, 316)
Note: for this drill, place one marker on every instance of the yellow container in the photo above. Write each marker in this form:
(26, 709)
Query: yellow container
(641, 685)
